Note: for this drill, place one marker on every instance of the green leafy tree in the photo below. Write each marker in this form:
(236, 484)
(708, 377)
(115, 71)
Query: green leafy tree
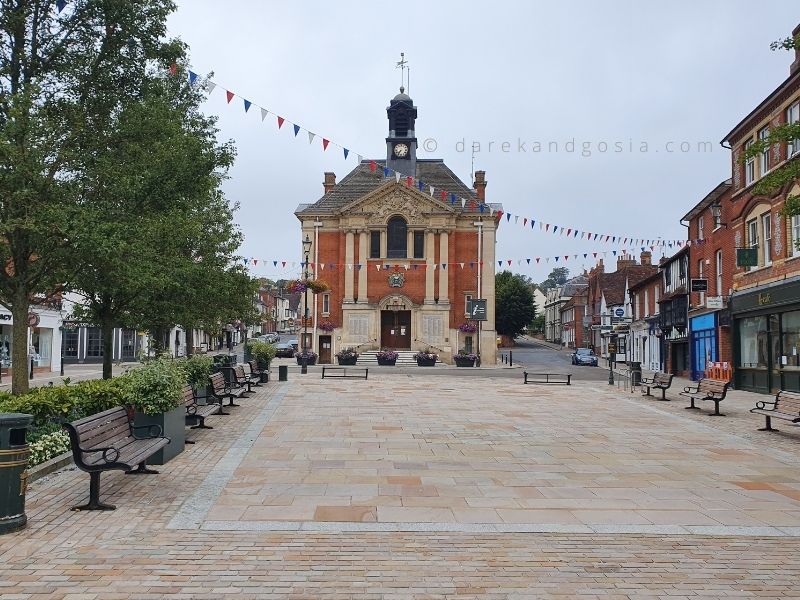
(55, 69)
(558, 276)
(514, 308)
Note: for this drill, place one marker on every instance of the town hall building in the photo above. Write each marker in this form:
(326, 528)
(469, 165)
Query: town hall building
(404, 246)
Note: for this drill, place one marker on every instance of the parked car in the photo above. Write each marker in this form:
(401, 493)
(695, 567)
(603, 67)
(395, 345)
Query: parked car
(294, 343)
(284, 350)
(584, 356)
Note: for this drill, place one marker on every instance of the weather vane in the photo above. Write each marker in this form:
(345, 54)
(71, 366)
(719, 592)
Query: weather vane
(403, 66)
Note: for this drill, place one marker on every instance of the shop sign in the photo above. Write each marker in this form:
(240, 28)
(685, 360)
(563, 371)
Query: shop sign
(5, 317)
(33, 320)
(764, 298)
(699, 285)
(747, 257)
(714, 302)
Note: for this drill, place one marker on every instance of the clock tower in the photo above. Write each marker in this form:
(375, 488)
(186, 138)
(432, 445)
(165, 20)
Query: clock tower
(401, 145)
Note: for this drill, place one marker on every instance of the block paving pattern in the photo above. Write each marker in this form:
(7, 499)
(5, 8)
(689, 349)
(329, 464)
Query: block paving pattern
(716, 505)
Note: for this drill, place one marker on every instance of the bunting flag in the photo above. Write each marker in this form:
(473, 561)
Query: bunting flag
(296, 129)
(346, 152)
(61, 5)
(325, 144)
(229, 95)
(247, 105)
(173, 68)
(311, 137)
(280, 121)
(264, 114)
(192, 76)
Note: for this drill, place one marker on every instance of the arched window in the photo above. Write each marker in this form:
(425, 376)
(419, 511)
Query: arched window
(396, 238)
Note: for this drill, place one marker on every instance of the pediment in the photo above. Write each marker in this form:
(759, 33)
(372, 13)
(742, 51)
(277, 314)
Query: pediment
(396, 198)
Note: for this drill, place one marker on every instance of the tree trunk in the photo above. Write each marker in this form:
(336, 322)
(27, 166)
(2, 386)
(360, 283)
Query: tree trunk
(19, 345)
(189, 340)
(107, 330)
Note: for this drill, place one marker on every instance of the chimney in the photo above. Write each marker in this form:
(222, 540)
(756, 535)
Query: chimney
(646, 258)
(480, 185)
(625, 260)
(796, 64)
(600, 268)
(330, 181)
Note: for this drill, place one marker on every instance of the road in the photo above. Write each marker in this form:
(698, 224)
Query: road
(540, 357)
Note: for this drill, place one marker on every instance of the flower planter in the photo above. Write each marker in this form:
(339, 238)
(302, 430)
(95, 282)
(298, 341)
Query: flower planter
(312, 360)
(201, 395)
(347, 361)
(426, 362)
(173, 426)
(464, 362)
(387, 362)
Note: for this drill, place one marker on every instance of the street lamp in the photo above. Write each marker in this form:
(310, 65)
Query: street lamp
(304, 355)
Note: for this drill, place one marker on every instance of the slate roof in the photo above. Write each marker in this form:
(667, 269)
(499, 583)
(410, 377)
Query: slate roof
(361, 181)
(613, 284)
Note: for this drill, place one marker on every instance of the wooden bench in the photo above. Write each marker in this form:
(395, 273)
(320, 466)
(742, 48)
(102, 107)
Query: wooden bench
(786, 406)
(258, 373)
(707, 389)
(196, 413)
(659, 381)
(555, 378)
(221, 390)
(108, 441)
(345, 372)
(240, 379)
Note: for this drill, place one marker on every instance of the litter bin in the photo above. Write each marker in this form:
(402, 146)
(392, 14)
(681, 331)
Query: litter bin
(13, 470)
(283, 373)
(636, 373)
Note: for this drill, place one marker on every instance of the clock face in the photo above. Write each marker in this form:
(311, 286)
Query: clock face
(400, 150)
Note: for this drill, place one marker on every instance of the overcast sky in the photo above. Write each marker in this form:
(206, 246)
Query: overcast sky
(639, 73)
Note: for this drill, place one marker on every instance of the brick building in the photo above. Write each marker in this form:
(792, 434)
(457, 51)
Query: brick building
(574, 330)
(712, 257)
(765, 301)
(645, 345)
(402, 261)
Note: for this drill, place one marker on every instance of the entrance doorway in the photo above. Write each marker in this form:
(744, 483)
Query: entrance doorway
(325, 349)
(396, 329)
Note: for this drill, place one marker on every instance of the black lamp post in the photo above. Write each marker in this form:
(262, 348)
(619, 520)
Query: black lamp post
(62, 329)
(304, 355)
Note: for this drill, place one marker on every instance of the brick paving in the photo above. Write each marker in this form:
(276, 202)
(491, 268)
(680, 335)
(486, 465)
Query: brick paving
(489, 489)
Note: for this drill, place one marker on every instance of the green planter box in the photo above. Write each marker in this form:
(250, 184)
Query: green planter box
(173, 424)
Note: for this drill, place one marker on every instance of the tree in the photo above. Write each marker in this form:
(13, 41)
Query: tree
(557, 277)
(53, 66)
(514, 304)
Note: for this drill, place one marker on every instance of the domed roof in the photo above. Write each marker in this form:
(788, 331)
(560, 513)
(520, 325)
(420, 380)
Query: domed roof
(402, 96)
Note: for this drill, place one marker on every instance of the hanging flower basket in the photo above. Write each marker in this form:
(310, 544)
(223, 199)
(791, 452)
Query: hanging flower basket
(468, 327)
(326, 326)
(299, 286)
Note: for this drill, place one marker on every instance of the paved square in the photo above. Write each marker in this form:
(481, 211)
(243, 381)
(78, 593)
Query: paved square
(432, 487)
(448, 455)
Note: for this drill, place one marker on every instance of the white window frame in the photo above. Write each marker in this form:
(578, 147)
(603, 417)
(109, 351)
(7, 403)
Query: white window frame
(766, 235)
(467, 299)
(752, 235)
(792, 116)
(656, 296)
(646, 310)
(719, 272)
(700, 275)
(700, 224)
(794, 225)
(764, 159)
(749, 165)
(326, 304)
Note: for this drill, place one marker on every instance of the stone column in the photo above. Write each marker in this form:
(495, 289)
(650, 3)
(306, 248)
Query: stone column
(488, 332)
(384, 249)
(349, 270)
(363, 253)
(430, 256)
(410, 244)
(444, 296)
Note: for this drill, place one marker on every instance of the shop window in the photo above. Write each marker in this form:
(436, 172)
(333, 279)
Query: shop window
(790, 332)
(94, 342)
(753, 349)
(5, 347)
(128, 349)
(71, 343)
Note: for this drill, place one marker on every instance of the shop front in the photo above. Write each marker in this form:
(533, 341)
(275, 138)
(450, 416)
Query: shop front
(704, 344)
(767, 338)
(43, 338)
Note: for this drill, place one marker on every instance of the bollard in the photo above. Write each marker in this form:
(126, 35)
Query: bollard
(510, 358)
(283, 373)
(13, 470)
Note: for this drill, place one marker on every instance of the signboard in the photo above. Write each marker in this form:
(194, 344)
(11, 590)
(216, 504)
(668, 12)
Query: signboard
(612, 348)
(33, 320)
(619, 312)
(699, 285)
(477, 309)
(747, 257)
(290, 322)
(714, 302)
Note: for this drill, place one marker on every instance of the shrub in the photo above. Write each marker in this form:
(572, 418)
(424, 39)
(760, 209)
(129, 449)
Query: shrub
(48, 446)
(387, 354)
(426, 355)
(347, 353)
(262, 353)
(156, 387)
(198, 369)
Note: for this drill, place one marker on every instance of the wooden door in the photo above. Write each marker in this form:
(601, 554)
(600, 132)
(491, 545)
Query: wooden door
(396, 329)
(324, 349)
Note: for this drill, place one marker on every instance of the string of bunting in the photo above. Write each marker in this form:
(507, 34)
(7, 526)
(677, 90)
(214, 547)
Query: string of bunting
(322, 266)
(466, 203)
